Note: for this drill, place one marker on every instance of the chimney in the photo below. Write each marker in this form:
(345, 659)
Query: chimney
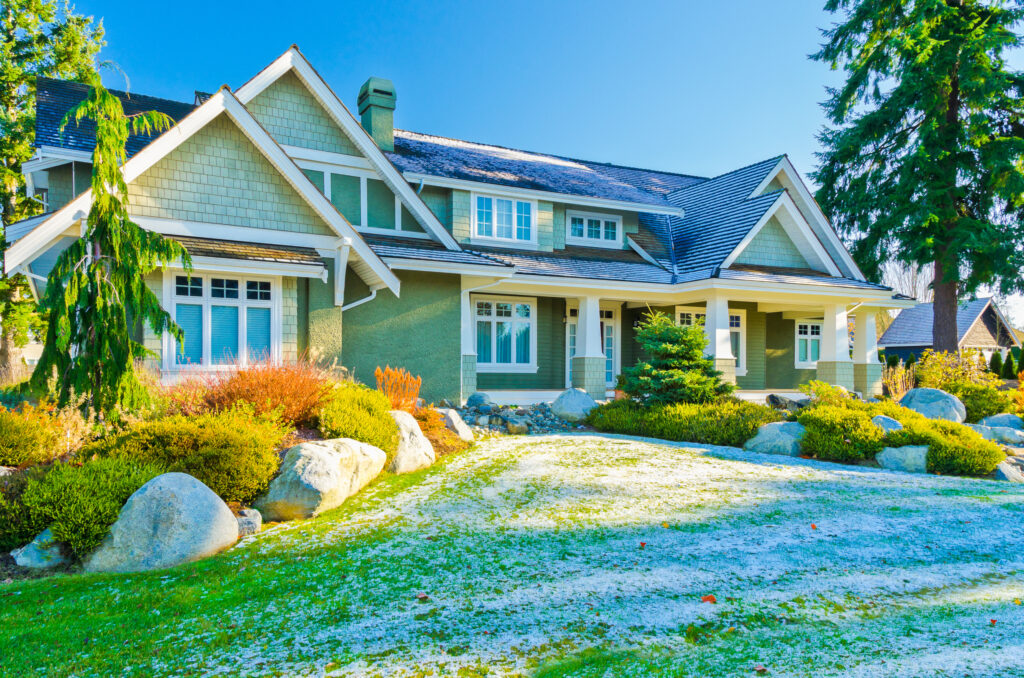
(377, 111)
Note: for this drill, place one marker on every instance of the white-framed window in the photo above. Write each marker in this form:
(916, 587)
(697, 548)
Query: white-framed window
(506, 334)
(688, 316)
(504, 220)
(593, 229)
(227, 319)
(808, 343)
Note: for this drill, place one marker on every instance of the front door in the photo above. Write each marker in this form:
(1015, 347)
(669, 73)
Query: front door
(609, 338)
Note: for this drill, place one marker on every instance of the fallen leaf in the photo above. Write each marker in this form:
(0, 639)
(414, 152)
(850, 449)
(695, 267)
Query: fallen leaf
(710, 598)
(760, 669)
(730, 629)
(1016, 601)
(422, 596)
(643, 544)
(813, 526)
(664, 524)
(993, 621)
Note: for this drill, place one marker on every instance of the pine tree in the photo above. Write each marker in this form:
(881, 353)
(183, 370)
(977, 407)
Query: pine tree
(37, 38)
(96, 292)
(675, 369)
(995, 363)
(1009, 370)
(924, 162)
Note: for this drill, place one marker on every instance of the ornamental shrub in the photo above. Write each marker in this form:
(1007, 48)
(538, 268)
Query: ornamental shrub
(676, 369)
(1009, 368)
(17, 524)
(38, 434)
(400, 386)
(981, 400)
(235, 452)
(440, 436)
(824, 393)
(838, 433)
(937, 369)
(361, 413)
(995, 363)
(953, 449)
(730, 422)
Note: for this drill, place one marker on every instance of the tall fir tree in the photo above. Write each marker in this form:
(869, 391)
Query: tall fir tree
(37, 38)
(96, 295)
(924, 162)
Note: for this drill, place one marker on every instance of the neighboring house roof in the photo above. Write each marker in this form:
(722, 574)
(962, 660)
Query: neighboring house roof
(229, 249)
(913, 326)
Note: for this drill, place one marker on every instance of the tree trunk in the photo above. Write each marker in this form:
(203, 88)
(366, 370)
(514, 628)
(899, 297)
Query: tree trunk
(944, 309)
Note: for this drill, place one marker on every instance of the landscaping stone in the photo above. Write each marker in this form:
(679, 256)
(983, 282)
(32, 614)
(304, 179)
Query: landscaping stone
(7, 470)
(319, 476)
(786, 403)
(492, 419)
(999, 434)
(781, 437)
(935, 404)
(1003, 420)
(414, 449)
(517, 425)
(1011, 469)
(909, 459)
(478, 399)
(483, 420)
(42, 552)
(573, 405)
(886, 423)
(250, 521)
(453, 422)
(172, 519)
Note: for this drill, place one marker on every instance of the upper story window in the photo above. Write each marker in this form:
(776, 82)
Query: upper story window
(504, 219)
(593, 229)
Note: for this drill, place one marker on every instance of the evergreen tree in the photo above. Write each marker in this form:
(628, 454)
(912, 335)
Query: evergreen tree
(37, 38)
(96, 292)
(924, 163)
(1009, 370)
(995, 363)
(675, 369)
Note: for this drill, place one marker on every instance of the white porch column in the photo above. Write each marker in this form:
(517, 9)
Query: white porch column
(867, 371)
(468, 333)
(716, 327)
(834, 364)
(587, 367)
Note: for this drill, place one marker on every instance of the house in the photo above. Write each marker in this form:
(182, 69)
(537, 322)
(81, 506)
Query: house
(980, 326)
(475, 266)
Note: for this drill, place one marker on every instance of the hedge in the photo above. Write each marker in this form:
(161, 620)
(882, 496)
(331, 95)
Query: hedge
(729, 422)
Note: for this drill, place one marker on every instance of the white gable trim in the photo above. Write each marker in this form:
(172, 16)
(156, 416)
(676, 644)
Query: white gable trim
(799, 232)
(999, 317)
(370, 266)
(293, 59)
(812, 212)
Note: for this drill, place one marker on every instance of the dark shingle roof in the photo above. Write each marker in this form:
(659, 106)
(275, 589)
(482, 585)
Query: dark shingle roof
(582, 262)
(425, 250)
(913, 326)
(230, 249)
(796, 276)
(54, 98)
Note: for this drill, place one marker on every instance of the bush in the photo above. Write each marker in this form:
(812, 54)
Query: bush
(824, 393)
(361, 413)
(838, 433)
(723, 423)
(444, 440)
(401, 388)
(233, 452)
(296, 392)
(953, 449)
(995, 363)
(37, 434)
(17, 524)
(981, 400)
(677, 370)
(1009, 368)
(941, 370)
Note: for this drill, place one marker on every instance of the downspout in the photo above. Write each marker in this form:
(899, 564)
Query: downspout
(370, 297)
(420, 188)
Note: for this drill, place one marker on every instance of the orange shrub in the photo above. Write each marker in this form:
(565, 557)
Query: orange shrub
(1018, 395)
(432, 424)
(401, 388)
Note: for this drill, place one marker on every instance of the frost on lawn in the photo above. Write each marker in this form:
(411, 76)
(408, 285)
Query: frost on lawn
(526, 551)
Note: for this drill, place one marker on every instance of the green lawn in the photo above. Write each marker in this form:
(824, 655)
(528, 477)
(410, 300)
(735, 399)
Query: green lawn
(573, 556)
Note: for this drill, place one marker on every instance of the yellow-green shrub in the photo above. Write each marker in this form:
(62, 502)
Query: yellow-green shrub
(838, 433)
(981, 400)
(37, 434)
(953, 449)
(730, 422)
(17, 524)
(233, 452)
(360, 413)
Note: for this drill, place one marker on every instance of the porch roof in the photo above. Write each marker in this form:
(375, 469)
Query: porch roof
(796, 276)
(247, 251)
(580, 262)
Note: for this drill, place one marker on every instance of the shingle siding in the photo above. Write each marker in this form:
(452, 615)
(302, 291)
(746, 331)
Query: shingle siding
(289, 320)
(218, 176)
(772, 246)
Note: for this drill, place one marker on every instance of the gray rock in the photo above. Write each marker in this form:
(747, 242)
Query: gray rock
(1003, 421)
(786, 403)
(999, 434)
(886, 423)
(250, 521)
(7, 470)
(517, 425)
(1011, 469)
(573, 405)
(453, 422)
(781, 437)
(172, 519)
(42, 552)
(483, 420)
(909, 459)
(935, 404)
(478, 399)
(316, 477)
(414, 449)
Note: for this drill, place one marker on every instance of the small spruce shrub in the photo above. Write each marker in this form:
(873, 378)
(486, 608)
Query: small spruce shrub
(1009, 368)
(729, 422)
(361, 413)
(995, 363)
(838, 433)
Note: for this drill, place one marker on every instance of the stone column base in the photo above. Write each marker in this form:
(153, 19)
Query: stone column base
(588, 374)
(867, 379)
(727, 366)
(468, 376)
(837, 373)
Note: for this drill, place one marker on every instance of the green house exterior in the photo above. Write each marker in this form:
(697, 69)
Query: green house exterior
(319, 235)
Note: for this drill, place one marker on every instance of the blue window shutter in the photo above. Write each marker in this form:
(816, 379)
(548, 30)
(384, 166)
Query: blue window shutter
(257, 334)
(190, 318)
(223, 334)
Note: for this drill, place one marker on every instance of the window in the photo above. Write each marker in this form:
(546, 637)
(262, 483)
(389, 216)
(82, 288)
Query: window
(593, 230)
(688, 317)
(221, 326)
(505, 219)
(609, 344)
(506, 334)
(808, 344)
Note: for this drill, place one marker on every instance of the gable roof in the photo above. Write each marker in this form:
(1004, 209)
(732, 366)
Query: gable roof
(913, 326)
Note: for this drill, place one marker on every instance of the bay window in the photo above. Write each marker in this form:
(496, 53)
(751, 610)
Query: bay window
(506, 334)
(592, 229)
(504, 219)
(808, 343)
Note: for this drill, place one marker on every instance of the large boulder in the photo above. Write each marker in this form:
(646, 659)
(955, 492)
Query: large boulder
(41, 552)
(453, 422)
(909, 459)
(316, 477)
(935, 404)
(478, 399)
(999, 434)
(1003, 421)
(885, 423)
(170, 520)
(781, 437)
(414, 449)
(573, 405)
(1011, 469)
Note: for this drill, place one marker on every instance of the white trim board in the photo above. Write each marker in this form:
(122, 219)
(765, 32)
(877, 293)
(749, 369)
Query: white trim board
(293, 59)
